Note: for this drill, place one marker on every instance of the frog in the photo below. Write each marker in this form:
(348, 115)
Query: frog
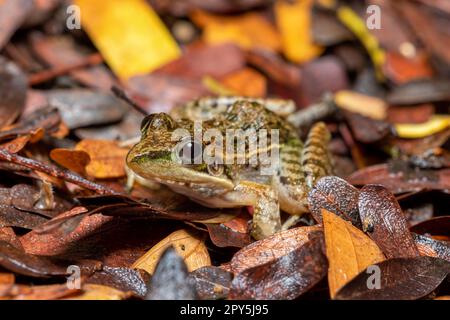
(236, 183)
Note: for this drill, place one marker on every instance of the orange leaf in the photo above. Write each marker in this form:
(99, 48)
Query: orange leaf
(349, 251)
(246, 82)
(107, 158)
(250, 30)
(74, 160)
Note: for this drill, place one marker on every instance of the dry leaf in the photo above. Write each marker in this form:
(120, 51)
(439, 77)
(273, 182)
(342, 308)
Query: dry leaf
(129, 34)
(250, 30)
(349, 251)
(246, 82)
(75, 160)
(99, 292)
(189, 245)
(294, 22)
(269, 249)
(107, 158)
(371, 107)
(358, 26)
(436, 124)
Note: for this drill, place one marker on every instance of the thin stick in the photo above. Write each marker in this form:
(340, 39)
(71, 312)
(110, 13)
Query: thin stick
(120, 93)
(54, 172)
(46, 75)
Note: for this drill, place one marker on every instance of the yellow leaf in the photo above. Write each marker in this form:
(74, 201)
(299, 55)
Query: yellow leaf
(216, 87)
(129, 35)
(247, 82)
(349, 251)
(436, 124)
(250, 30)
(294, 22)
(99, 292)
(107, 158)
(371, 107)
(189, 245)
(353, 22)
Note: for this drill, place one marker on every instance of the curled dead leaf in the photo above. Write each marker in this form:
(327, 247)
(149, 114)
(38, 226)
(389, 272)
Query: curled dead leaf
(188, 244)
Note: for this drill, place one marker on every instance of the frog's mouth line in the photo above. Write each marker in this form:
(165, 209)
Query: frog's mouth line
(175, 175)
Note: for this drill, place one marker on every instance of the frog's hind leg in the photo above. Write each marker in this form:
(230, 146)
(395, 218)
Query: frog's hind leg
(266, 214)
(301, 167)
(291, 184)
(316, 159)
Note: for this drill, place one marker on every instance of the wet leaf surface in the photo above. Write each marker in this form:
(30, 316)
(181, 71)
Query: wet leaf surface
(401, 278)
(286, 277)
(384, 221)
(211, 283)
(335, 195)
(123, 279)
(72, 103)
(268, 250)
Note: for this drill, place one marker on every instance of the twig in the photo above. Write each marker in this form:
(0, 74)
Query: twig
(120, 93)
(47, 75)
(55, 172)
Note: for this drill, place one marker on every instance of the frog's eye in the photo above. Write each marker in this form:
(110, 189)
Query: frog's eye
(157, 121)
(215, 169)
(190, 151)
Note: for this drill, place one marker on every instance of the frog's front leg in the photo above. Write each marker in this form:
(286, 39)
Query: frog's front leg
(266, 214)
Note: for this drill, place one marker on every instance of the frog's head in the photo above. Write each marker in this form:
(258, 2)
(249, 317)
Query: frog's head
(160, 156)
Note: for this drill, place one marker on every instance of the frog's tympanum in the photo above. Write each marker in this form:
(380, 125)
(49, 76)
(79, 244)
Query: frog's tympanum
(161, 156)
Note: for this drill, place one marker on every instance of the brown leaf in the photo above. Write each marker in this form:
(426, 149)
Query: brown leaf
(275, 67)
(400, 179)
(349, 251)
(11, 217)
(234, 233)
(56, 240)
(432, 248)
(201, 60)
(400, 279)
(123, 279)
(62, 51)
(13, 89)
(18, 261)
(285, 277)
(335, 195)
(437, 226)
(365, 129)
(211, 283)
(270, 249)
(12, 14)
(420, 91)
(383, 219)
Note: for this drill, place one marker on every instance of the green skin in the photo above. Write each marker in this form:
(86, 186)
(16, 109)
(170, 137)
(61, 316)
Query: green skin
(235, 185)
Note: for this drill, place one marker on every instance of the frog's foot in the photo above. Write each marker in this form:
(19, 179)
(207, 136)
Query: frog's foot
(266, 214)
(133, 177)
(316, 159)
(291, 221)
